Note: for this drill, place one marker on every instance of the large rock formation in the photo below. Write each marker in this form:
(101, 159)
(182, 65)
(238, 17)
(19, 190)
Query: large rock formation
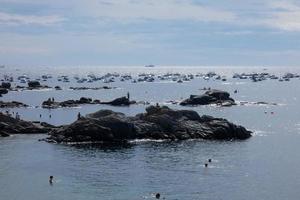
(156, 123)
(210, 97)
(10, 125)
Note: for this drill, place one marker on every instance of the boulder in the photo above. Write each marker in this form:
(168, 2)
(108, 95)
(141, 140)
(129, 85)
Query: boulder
(156, 123)
(5, 85)
(34, 84)
(210, 97)
(84, 100)
(3, 91)
(57, 87)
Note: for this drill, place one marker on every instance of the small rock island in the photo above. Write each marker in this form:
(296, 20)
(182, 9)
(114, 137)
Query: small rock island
(157, 123)
(210, 97)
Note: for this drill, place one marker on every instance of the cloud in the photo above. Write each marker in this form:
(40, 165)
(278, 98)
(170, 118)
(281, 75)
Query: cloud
(285, 16)
(130, 10)
(16, 19)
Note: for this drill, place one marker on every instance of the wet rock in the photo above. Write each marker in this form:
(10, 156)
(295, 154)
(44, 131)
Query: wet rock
(3, 134)
(122, 101)
(156, 123)
(57, 87)
(34, 84)
(50, 104)
(5, 85)
(12, 104)
(84, 100)
(68, 103)
(91, 88)
(12, 125)
(3, 91)
(210, 97)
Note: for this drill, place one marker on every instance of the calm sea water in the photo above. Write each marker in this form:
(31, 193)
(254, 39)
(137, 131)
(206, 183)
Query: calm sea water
(265, 166)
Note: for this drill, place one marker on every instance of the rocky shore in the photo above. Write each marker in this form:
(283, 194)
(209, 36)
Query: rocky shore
(156, 123)
(10, 125)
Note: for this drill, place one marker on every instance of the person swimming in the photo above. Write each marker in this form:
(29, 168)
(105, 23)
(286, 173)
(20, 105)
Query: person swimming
(51, 180)
(157, 196)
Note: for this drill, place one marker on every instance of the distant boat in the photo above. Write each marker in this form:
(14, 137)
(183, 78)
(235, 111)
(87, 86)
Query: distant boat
(149, 65)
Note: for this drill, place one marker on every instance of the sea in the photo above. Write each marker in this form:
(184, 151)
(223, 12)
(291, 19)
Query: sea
(265, 166)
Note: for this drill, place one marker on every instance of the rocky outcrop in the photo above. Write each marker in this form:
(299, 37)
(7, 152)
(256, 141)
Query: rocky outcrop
(92, 88)
(10, 125)
(156, 123)
(210, 97)
(50, 104)
(122, 101)
(57, 88)
(3, 91)
(34, 84)
(12, 104)
(6, 85)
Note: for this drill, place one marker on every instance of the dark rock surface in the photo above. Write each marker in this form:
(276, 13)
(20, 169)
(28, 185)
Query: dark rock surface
(210, 97)
(10, 125)
(156, 123)
(12, 104)
(3, 91)
(6, 85)
(57, 87)
(34, 84)
(68, 103)
(122, 101)
(91, 88)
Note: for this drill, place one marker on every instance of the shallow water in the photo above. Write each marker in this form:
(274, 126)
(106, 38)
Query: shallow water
(262, 167)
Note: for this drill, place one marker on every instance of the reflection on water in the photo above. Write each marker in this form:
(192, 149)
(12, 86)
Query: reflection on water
(262, 167)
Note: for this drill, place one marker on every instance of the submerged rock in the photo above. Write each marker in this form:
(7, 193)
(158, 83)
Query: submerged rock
(156, 123)
(210, 97)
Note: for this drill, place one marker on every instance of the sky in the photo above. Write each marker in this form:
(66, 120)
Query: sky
(141, 32)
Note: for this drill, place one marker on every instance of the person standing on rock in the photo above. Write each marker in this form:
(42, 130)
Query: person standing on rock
(78, 115)
(128, 95)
